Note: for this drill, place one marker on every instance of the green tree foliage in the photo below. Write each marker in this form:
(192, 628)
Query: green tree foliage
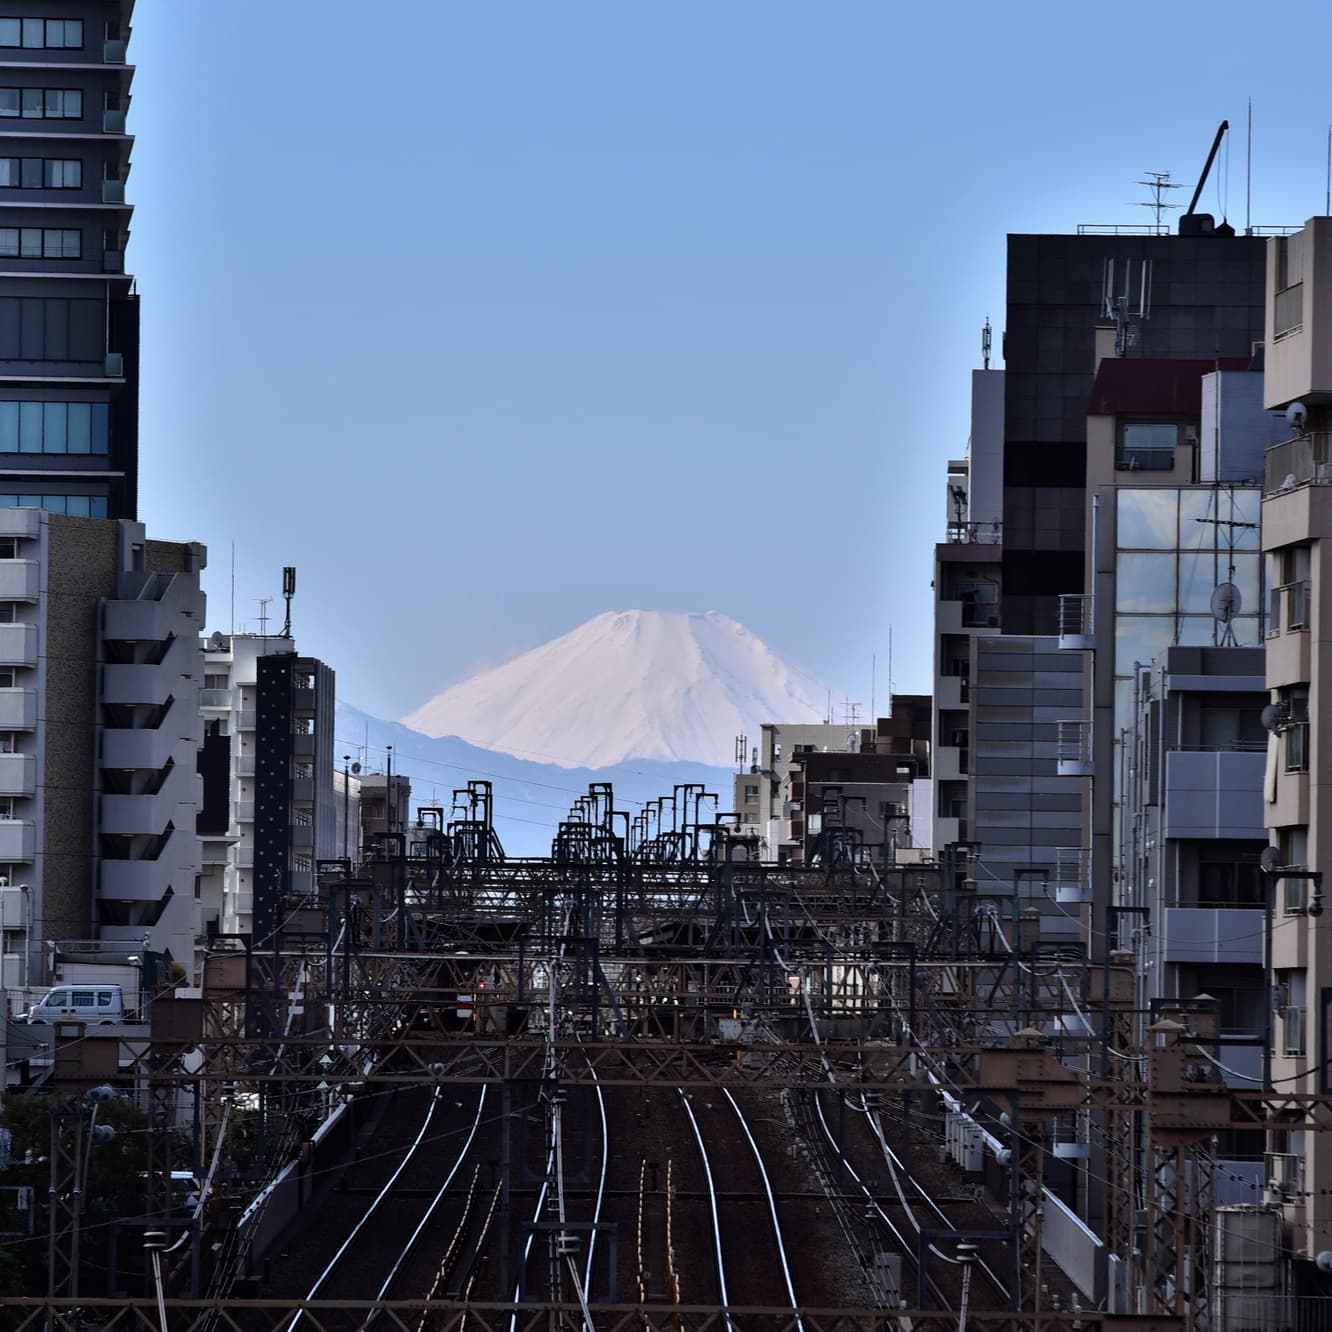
(116, 1183)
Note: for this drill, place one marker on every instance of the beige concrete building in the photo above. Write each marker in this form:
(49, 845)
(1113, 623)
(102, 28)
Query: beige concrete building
(99, 735)
(1297, 540)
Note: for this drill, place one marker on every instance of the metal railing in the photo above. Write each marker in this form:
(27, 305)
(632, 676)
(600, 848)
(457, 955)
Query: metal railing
(1294, 599)
(1286, 1171)
(1293, 1029)
(1076, 614)
(976, 534)
(1302, 461)
(1073, 743)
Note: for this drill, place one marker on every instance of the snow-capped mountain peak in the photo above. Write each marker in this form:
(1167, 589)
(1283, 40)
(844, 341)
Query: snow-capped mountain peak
(628, 684)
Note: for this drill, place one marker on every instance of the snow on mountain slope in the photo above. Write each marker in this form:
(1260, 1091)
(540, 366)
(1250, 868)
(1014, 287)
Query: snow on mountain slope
(628, 684)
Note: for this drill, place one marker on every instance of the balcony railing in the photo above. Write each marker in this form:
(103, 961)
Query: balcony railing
(1073, 748)
(1292, 1029)
(1297, 747)
(215, 698)
(1286, 1171)
(1302, 461)
(1076, 631)
(1072, 877)
(1288, 607)
(976, 534)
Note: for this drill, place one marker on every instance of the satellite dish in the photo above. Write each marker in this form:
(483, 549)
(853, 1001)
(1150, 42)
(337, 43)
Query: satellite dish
(1226, 602)
(216, 641)
(1270, 858)
(356, 769)
(1273, 716)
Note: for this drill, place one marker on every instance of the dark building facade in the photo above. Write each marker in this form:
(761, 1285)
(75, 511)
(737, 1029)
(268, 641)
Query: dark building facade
(295, 816)
(1167, 298)
(69, 319)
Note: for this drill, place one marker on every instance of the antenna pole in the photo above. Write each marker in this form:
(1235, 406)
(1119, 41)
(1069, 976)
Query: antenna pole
(874, 661)
(1248, 175)
(1327, 201)
(233, 588)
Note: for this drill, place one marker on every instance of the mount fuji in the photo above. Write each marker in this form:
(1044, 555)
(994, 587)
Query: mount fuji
(628, 685)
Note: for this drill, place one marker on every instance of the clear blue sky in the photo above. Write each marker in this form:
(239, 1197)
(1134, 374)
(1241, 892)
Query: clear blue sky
(493, 316)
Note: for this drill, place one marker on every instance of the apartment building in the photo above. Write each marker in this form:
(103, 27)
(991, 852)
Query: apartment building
(69, 315)
(99, 731)
(1297, 539)
(274, 809)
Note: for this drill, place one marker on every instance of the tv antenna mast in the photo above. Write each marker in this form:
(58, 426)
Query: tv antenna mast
(1158, 182)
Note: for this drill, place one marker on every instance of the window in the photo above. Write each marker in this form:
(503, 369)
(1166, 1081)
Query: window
(41, 173)
(81, 506)
(751, 793)
(212, 681)
(6, 807)
(1148, 446)
(36, 33)
(7, 680)
(34, 328)
(42, 103)
(54, 427)
(40, 243)
(83, 998)
(1231, 882)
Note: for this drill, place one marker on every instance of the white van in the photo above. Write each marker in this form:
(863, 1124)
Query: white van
(93, 1004)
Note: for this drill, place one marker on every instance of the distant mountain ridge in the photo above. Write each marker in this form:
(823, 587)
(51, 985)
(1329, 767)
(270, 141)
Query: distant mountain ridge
(646, 685)
(530, 798)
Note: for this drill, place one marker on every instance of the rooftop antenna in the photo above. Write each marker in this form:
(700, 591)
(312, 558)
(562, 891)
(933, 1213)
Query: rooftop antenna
(985, 344)
(741, 749)
(233, 587)
(1158, 182)
(263, 616)
(1327, 198)
(288, 591)
(1248, 175)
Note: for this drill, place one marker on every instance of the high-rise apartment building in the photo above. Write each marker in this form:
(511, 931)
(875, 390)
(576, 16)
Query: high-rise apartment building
(69, 319)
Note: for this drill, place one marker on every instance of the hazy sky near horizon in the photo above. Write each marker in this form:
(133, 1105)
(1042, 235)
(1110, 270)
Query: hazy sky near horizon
(490, 317)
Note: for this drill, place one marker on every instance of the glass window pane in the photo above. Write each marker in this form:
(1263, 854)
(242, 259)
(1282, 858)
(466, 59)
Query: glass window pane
(9, 416)
(29, 501)
(73, 104)
(30, 173)
(79, 504)
(34, 33)
(80, 417)
(98, 432)
(9, 239)
(30, 242)
(73, 174)
(1146, 519)
(1145, 583)
(33, 103)
(30, 427)
(10, 32)
(9, 101)
(9, 172)
(32, 328)
(54, 436)
(1140, 638)
(97, 506)
(56, 330)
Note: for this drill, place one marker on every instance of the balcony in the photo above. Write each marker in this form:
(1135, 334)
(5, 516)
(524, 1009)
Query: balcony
(302, 790)
(139, 621)
(140, 683)
(246, 720)
(976, 534)
(215, 698)
(113, 51)
(1073, 749)
(113, 122)
(1214, 794)
(302, 700)
(1302, 461)
(1286, 1171)
(244, 811)
(18, 709)
(1212, 934)
(18, 840)
(1072, 876)
(18, 645)
(18, 774)
(19, 580)
(1293, 1034)
(130, 749)
(1288, 607)
(244, 765)
(1076, 625)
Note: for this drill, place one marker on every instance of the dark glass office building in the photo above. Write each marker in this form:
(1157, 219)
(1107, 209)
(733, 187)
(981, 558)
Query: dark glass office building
(69, 318)
(1167, 297)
